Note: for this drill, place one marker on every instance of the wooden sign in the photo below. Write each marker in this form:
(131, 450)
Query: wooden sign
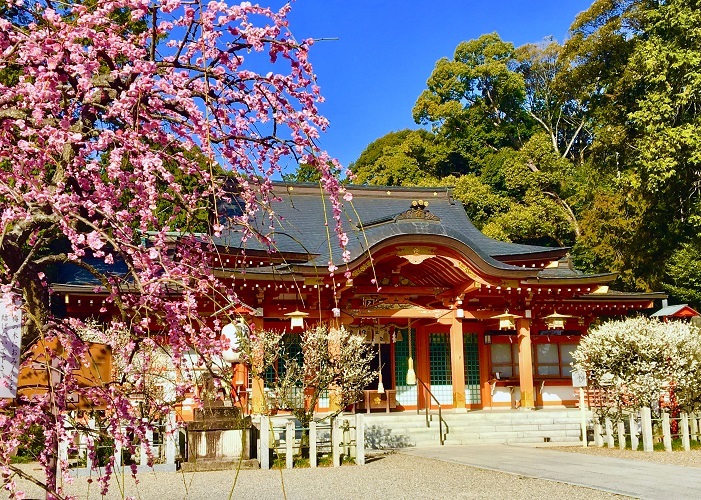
(579, 378)
(10, 339)
(34, 377)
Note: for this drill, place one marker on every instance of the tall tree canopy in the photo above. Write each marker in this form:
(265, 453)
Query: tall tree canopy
(114, 119)
(637, 64)
(592, 143)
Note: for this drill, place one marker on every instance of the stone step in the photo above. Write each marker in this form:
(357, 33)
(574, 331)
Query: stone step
(474, 428)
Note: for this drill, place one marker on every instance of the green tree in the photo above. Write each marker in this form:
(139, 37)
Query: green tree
(550, 99)
(476, 99)
(402, 158)
(637, 61)
(683, 274)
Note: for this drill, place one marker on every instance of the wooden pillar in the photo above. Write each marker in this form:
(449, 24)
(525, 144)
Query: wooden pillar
(485, 355)
(258, 400)
(525, 362)
(457, 362)
(422, 367)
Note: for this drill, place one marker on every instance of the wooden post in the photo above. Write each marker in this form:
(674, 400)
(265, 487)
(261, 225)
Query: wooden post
(145, 447)
(89, 439)
(695, 426)
(289, 443)
(666, 432)
(684, 423)
(359, 439)
(525, 363)
(633, 432)
(621, 435)
(646, 422)
(457, 362)
(171, 435)
(598, 438)
(264, 442)
(62, 454)
(259, 403)
(583, 417)
(335, 442)
(609, 433)
(312, 444)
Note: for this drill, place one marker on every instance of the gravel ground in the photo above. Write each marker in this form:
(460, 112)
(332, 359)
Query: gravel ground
(387, 476)
(687, 458)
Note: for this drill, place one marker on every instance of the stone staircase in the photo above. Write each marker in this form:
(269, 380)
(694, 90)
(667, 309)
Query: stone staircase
(400, 430)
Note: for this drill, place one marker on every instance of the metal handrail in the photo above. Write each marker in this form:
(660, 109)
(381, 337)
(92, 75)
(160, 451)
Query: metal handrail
(441, 421)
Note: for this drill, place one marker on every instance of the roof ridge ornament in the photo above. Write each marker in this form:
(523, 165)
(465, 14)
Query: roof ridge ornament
(418, 210)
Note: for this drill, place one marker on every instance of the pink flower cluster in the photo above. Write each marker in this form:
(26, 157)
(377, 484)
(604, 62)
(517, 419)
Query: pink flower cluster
(112, 131)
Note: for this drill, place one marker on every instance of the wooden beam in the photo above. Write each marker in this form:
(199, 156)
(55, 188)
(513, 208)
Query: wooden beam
(399, 290)
(457, 291)
(414, 313)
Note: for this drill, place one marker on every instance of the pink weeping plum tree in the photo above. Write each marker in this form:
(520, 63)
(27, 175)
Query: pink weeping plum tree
(121, 124)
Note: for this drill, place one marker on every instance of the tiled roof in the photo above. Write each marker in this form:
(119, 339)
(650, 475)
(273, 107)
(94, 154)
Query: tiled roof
(303, 221)
(71, 274)
(675, 309)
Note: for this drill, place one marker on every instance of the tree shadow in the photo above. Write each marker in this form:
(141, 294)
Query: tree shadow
(380, 438)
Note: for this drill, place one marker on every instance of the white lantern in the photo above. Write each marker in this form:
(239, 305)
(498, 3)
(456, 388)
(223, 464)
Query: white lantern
(556, 321)
(506, 320)
(231, 332)
(297, 318)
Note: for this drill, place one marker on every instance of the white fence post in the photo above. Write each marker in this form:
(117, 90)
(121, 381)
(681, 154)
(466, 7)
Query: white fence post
(170, 435)
(621, 435)
(312, 444)
(359, 439)
(684, 423)
(633, 432)
(335, 442)
(598, 438)
(145, 447)
(118, 447)
(646, 422)
(610, 443)
(89, 439)
(289, 443)
(695, 426)
(264, 442)
(666, 432)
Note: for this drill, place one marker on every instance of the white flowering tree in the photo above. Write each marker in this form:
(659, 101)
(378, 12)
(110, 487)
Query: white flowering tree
(637, 360)
(333, 361)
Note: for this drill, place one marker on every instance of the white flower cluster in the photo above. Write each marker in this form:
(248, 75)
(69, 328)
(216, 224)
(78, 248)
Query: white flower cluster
(638, 361)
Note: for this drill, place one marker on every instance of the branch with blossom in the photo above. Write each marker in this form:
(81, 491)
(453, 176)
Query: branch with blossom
(116, 120)
(638, 360)
(333, 361)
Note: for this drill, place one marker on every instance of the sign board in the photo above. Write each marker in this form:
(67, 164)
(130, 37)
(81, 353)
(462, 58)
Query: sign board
(36, 377)
(579, 378)
(10, 338)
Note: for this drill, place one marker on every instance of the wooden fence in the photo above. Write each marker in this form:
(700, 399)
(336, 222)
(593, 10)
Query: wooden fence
(341, 440)
(641, 428)
(162, 444)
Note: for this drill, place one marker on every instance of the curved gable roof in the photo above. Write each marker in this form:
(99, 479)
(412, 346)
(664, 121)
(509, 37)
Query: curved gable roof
(302, 222)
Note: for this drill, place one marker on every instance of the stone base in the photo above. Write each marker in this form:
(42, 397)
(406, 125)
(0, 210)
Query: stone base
(209, 465)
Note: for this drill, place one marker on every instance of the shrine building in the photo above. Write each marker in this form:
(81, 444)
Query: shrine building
(489, 323)
(486, 324)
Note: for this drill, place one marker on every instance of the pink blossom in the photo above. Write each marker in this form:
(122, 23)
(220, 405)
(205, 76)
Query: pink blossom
(111, 187)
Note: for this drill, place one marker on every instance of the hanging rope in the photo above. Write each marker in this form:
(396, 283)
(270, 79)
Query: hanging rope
(410, 373)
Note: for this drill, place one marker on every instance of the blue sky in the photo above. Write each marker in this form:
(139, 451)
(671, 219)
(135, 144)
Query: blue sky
(385, 51)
